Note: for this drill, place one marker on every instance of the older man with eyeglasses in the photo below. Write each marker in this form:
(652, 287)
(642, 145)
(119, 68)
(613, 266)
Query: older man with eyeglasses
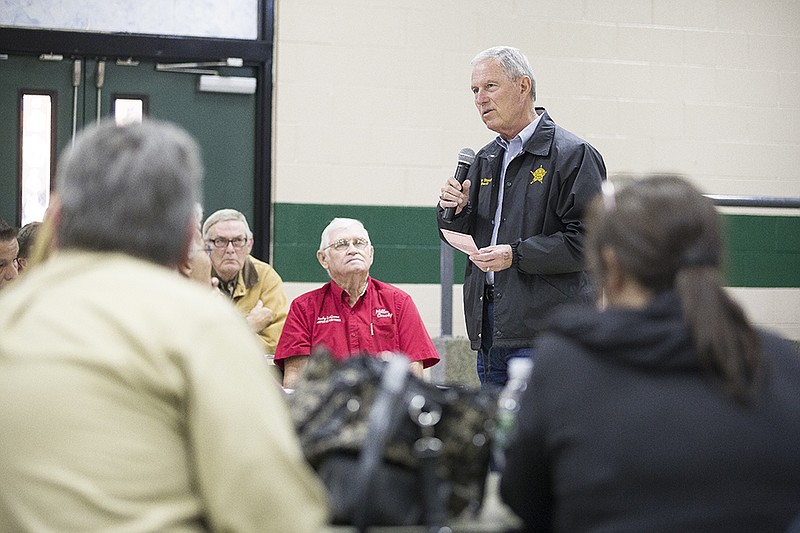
(9, 248)
(353, 313)
(253, 286)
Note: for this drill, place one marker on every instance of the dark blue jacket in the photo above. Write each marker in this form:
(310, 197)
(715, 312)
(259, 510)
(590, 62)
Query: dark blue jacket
(547, 188)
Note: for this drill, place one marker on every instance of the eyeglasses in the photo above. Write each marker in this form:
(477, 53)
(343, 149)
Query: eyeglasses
(221, 242)
(343, 244)
(14, 262)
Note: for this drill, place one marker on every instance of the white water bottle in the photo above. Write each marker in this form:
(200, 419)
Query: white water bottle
(519, 372)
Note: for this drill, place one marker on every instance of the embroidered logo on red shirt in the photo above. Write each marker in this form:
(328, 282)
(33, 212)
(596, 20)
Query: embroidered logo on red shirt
(328, 319)
(382, 313)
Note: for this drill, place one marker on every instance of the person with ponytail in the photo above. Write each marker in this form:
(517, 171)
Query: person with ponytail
(663, 408)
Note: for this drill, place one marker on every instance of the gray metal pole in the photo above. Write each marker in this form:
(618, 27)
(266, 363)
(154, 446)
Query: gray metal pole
(446, 281)
(752, 201)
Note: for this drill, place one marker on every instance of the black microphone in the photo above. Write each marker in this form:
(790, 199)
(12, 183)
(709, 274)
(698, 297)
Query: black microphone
(465, 158)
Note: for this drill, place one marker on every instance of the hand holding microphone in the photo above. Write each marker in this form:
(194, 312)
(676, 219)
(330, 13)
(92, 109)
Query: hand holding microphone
(465, 158)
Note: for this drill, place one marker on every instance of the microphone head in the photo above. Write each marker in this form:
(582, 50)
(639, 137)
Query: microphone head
(466, 156)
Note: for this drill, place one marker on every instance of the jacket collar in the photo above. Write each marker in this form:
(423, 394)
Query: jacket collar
(249, 273)
(656, 336)
(542, 139)
(539, 144)
(245, 279)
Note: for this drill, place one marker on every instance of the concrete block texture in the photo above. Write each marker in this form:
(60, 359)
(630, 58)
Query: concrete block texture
(457, 367)
(373, 99)
(393, 81)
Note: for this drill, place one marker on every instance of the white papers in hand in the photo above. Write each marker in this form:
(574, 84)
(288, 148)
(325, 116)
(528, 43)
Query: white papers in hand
(460, 241)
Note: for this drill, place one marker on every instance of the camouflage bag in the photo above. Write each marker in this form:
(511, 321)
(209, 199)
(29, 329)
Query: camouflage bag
(433, 442)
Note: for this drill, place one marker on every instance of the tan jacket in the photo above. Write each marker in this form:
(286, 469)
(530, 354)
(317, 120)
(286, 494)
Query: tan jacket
(259, 281)
(135, 400)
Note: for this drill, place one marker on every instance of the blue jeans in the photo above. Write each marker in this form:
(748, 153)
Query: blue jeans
(493, 362)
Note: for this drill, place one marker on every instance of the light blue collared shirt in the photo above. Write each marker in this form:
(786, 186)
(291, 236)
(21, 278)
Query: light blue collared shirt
(512, 149)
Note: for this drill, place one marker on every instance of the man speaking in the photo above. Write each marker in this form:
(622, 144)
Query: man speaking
(523, 203)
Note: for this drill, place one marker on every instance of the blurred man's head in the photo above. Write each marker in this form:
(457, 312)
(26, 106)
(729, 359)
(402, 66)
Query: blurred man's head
(9, 248)
(130, 189)
(198, 264)
(26, 237)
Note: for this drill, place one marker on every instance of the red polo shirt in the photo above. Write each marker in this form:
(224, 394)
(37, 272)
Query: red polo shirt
(384, 319)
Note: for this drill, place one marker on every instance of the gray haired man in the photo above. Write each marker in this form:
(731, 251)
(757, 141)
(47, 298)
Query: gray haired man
(133, 399)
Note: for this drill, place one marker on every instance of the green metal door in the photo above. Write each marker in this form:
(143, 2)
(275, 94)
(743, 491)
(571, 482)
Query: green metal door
(224, 124)
(29, 74)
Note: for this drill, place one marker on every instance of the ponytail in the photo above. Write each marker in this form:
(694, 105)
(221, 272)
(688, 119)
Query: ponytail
(726, 343)
(668, 236)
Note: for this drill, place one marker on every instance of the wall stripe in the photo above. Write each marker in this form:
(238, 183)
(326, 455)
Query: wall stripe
(405, 240)
(763, 251)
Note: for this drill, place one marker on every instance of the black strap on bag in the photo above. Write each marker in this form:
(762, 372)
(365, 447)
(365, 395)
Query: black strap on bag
(382, 423)
(428, 449)
(388, 410)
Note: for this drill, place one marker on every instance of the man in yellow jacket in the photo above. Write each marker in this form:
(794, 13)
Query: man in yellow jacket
(253, 286)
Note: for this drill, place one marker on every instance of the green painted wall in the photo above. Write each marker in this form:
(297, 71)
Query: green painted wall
(764, 251)
(405, 239)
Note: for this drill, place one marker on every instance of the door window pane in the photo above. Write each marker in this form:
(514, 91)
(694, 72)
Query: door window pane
(129, 110)
(37, 150)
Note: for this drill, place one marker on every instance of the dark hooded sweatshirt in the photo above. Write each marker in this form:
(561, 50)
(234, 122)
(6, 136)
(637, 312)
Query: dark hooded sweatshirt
(620, 430)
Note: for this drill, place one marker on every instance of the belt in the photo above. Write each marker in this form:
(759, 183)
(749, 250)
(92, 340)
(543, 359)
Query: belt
(488, 293)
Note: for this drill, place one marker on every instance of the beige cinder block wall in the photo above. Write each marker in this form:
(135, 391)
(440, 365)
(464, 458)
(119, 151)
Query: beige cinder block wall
(374, 96)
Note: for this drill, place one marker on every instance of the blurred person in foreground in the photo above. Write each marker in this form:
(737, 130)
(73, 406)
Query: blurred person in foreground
(26, 238)
(9, 249)
(665, 410)
(198, 265)
(254, 287)
(133, 399)
(523, 203)
(353, 313)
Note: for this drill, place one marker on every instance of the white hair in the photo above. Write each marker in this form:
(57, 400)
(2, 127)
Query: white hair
(222, 215)
(339, 223)
(513, 61)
